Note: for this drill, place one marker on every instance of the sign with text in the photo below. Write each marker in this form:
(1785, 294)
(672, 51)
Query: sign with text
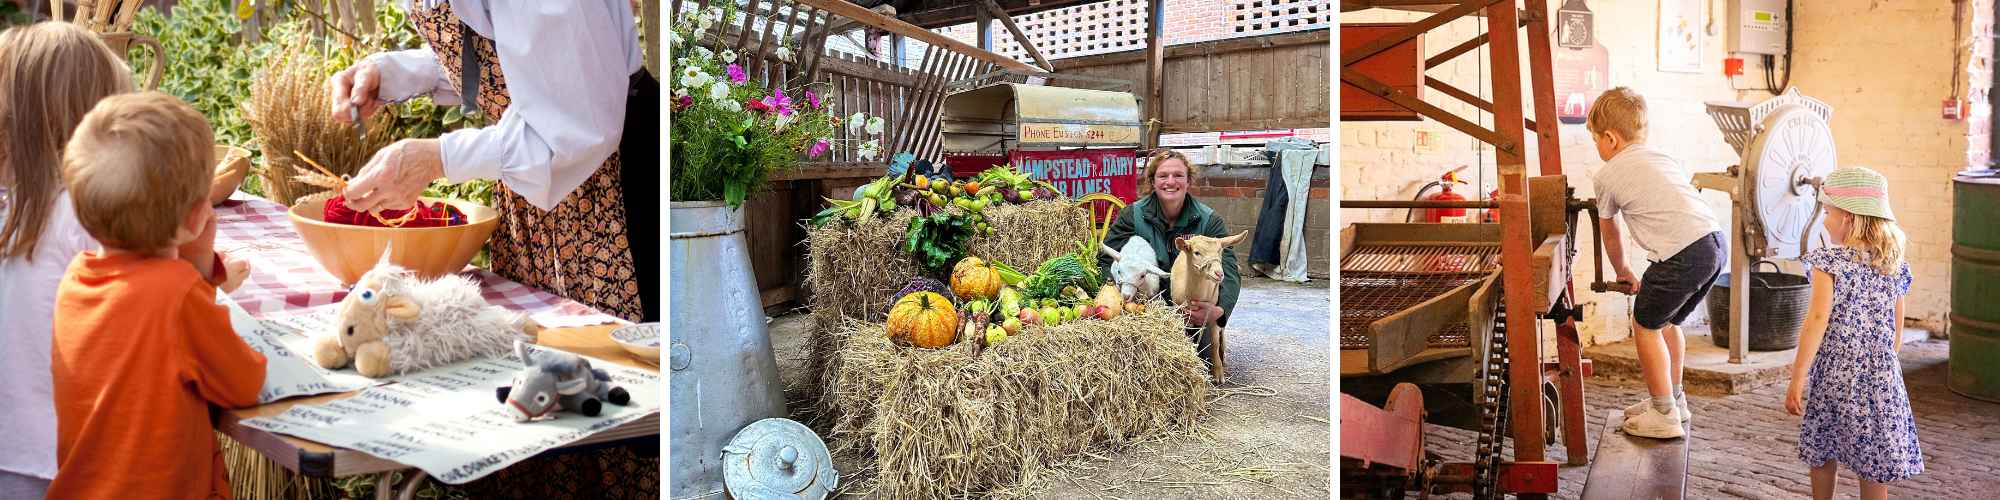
(1077, 134)
(447, 422)
(1079, 172)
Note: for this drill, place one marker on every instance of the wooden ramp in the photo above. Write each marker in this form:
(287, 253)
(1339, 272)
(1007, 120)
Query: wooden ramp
(1636, 468)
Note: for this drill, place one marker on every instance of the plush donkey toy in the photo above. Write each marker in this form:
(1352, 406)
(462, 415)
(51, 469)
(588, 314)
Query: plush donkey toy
(554, 381)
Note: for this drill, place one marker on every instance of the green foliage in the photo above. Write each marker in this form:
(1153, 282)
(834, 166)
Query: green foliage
(12, 15)
(730, 134)
(938, 241)
(211, 68)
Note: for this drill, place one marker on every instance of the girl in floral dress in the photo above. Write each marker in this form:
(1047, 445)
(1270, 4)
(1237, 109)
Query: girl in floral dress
(1847, 381)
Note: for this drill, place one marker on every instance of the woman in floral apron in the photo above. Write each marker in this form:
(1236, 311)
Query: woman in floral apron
(573, 141)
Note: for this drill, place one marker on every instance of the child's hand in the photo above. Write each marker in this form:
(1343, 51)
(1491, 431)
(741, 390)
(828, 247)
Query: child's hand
(1625, 276)
(236, 270)
(201, 250)
(1795, 399)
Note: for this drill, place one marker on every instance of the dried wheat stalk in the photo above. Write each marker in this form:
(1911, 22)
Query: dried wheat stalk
(290, 110)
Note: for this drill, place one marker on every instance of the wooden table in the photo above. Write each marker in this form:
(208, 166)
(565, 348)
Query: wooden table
(319, 460)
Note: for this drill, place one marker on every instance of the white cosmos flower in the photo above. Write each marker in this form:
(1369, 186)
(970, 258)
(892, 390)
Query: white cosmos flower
(869, 150)
(704, 52)
(854, 123)
(728, 56)
(719, 91)
(875, 126)
(784, 120)
(784, 52)
(694, 78)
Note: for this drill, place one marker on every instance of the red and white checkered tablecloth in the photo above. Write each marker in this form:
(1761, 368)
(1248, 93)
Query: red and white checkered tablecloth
(285, 279)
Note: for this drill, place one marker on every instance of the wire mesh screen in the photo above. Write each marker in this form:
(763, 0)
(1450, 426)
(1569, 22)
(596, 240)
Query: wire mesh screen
(1380, 280)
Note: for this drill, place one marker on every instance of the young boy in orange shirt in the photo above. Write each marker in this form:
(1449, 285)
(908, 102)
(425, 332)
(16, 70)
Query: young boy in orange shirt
(141, 349)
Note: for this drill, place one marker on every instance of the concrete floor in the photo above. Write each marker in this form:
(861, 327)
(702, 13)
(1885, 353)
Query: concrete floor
(1746, 446)
(1266, 437)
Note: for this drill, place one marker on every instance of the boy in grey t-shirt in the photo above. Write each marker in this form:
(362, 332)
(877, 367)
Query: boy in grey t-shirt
(1681, 237)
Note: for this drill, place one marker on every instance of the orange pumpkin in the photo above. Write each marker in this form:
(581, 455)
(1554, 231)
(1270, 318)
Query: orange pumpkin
(924, 319)
(975, 279)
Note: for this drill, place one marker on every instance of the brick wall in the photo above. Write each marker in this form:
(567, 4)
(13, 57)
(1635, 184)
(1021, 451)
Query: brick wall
(1392, 160)
(1886, 67)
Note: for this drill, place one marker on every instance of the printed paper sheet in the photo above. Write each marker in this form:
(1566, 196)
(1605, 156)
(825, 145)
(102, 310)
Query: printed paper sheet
(289, 370)
(449, 423)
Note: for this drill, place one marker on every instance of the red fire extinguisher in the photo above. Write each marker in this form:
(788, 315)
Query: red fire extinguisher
(1449, 215)
(1493, 214)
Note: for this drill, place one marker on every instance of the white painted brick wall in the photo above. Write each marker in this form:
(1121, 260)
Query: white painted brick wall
(1883, 66)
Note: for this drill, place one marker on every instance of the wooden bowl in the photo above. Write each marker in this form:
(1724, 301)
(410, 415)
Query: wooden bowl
(231, 165)
(347, 251)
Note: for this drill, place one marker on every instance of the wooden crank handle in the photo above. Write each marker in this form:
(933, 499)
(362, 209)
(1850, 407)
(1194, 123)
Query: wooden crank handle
(1612, 286)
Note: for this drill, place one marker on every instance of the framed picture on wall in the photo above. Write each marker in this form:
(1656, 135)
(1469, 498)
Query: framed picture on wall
(1680, 35)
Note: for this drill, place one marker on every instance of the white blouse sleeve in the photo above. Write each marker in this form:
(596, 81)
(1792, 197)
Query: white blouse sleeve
(568, 65)
(410, 73)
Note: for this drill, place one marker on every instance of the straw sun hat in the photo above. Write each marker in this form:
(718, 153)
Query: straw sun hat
(1857, 190)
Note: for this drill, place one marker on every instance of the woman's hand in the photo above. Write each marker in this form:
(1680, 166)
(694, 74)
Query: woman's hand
(355, 89)
(1795, 398)
(396, 176)
(1200, 313)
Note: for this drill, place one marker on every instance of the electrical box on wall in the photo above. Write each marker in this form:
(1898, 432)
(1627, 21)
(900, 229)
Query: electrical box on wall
(1757, 27)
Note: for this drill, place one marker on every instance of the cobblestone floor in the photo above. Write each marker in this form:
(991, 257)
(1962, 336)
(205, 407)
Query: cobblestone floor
(1746, 446)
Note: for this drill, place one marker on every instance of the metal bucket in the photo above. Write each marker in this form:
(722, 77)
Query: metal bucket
(724, 374)
(1778, 309)
(1975, 279)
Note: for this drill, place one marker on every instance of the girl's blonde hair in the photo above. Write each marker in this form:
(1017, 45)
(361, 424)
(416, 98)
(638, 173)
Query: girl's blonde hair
(51, 74)
(1880, 239)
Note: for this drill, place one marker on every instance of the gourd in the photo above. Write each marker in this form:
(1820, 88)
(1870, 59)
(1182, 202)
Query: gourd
(923, 319)
(975, 279)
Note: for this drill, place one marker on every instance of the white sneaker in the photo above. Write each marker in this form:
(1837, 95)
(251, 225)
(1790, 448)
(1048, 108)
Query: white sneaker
(1679, 404)
(1650, 423)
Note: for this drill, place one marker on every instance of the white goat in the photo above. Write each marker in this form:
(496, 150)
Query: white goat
(1135, 270)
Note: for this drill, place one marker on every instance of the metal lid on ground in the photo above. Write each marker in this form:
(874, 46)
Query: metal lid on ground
(778, 458)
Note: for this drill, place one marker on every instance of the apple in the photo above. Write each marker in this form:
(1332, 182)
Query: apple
(1030, 316)
(1107, 313)
(1012, 326)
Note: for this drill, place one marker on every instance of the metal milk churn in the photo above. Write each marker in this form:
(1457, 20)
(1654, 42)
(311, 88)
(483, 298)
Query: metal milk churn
(722, 373)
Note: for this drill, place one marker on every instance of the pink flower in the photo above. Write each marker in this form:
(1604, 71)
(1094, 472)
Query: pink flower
(736, 74)
(819, 148)
(685, 102)
(779, 101)
(812, 98)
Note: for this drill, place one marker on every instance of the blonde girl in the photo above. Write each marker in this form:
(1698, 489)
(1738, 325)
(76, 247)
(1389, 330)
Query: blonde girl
(1846, 381)
(50, 75)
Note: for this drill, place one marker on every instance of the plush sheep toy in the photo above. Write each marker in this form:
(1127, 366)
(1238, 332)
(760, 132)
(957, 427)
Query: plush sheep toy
(554, 381)
(394, 323)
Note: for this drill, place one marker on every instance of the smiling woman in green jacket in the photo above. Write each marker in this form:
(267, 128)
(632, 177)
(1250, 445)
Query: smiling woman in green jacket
(1169, 212)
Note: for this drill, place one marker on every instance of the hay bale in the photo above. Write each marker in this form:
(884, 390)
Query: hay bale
(855, 269)
(950, 422)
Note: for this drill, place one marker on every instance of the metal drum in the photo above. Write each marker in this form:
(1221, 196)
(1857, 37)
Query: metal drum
(1975, 281)
(723, 374)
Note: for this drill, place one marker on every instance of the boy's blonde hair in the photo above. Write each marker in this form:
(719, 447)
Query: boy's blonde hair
(138, 164)
(51, 73)
(1881, 241)
(1620, 110)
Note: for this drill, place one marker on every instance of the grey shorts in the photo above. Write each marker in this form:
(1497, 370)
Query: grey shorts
(1671, 289)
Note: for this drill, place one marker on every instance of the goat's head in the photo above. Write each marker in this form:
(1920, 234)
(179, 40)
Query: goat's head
(380, 294)
(1206, 252)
